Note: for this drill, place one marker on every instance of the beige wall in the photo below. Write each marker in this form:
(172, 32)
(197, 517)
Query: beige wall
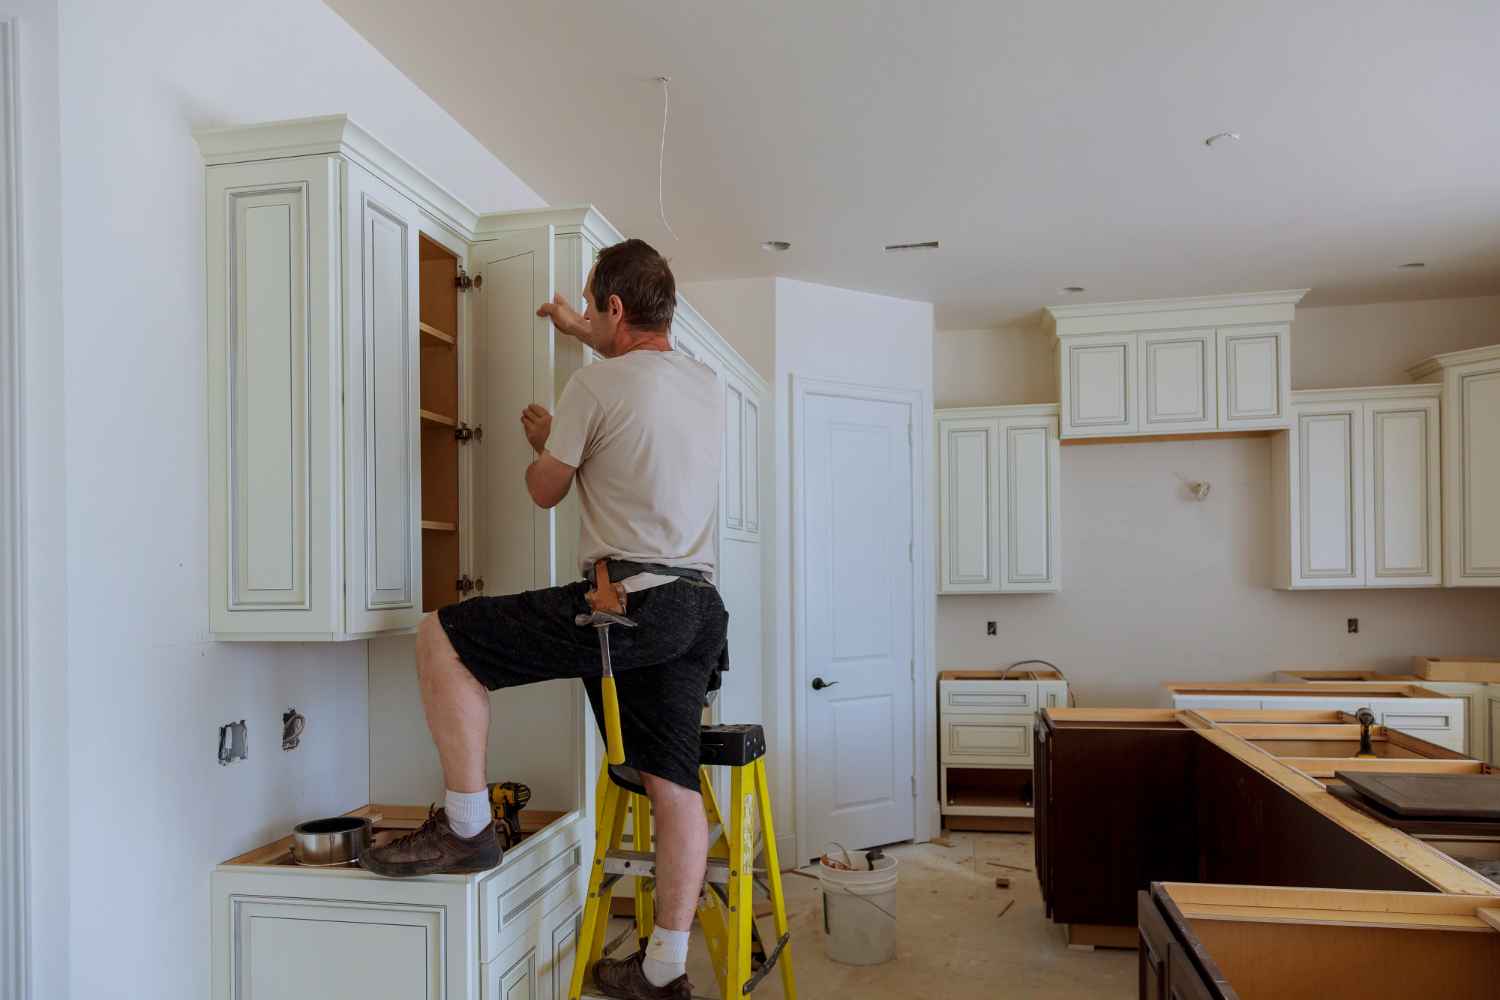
(1157, 586)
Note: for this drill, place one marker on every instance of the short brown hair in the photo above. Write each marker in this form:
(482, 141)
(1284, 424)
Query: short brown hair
(639, 275)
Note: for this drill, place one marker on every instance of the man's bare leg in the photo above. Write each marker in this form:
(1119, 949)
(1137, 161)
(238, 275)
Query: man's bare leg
(457, 707)
(681, 859)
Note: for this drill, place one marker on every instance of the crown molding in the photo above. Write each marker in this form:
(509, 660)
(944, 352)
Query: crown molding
(336, 135)
(1437, 363)
(1301, 397)
(584, 219)
(1003, 412)
(1164, 314)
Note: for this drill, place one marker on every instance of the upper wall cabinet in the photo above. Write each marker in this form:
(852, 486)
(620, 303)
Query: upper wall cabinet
(313, 364)
(1470, 382)
(998, 500)
(1174, 366)
(1356, 484)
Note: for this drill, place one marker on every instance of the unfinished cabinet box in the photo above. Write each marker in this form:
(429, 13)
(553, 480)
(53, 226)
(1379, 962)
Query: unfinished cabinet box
(1470, 382)
(1223, 942)
(1356, 483)
(999, 501)
(1409, 707)
(1174, 366)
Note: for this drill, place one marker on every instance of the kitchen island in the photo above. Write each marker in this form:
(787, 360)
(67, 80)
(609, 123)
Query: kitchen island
(1127, 797)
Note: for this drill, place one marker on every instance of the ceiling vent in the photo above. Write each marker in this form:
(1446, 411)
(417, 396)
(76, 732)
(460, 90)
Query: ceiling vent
(904, 247)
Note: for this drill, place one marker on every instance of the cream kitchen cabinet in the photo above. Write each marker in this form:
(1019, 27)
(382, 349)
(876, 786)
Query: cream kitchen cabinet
(1470, 382)
(1174, 366)
(1357, 489)
(986, 719)
(998, 500)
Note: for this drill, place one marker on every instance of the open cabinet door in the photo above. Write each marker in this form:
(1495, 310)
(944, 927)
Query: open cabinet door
(511, 350)
(533, 731)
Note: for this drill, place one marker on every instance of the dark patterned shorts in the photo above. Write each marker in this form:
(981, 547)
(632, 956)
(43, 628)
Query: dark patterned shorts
(663, 668)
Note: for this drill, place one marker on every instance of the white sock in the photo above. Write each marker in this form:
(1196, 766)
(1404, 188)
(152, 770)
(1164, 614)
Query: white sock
(666, 956)
(468, 812)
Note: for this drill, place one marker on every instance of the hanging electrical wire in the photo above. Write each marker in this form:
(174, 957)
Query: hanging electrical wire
(661, 154)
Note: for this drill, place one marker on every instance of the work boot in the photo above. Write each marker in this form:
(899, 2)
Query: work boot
(623, 979)
(434, 849)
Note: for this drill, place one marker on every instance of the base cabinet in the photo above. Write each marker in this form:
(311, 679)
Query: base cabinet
(286, 933)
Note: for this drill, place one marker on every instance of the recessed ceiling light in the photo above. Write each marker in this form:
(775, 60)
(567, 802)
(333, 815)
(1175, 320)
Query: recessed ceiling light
(1411, 265)
(902, 247)
(775, 246)
(1071, 289)
(1218, 137)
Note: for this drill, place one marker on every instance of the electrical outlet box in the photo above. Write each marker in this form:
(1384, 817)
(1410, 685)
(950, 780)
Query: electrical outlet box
(234, 742)
(991, 628)
(1353, 625)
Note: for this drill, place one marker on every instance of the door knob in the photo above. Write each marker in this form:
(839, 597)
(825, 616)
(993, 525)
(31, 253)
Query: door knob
(819, 684)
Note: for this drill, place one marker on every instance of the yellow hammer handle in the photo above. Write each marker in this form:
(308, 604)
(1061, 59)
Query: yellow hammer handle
(614, 743)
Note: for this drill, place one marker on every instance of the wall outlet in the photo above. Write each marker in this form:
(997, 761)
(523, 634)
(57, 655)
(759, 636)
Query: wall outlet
(234, 742)
(1353, 625)
(991, 628)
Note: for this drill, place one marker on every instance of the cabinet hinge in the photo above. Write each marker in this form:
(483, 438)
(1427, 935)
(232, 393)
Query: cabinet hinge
(914, 786)
(463, 584)
(909, 556)
(465, 282)
(464, 433)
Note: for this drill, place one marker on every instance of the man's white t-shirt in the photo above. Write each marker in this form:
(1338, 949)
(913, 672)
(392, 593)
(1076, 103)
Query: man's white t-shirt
(645, 432)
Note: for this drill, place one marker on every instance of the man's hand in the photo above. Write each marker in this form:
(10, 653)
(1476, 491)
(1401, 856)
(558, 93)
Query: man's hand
(565, 318)
(536, 422)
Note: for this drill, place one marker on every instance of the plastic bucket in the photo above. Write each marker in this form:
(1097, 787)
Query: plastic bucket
(859, 912)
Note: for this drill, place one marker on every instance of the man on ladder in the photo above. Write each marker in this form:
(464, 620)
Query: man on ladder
(641, 433)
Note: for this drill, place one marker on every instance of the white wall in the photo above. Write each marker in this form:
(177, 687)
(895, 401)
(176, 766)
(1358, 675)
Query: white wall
(1158, 587)
(743, 311)
(151, 810)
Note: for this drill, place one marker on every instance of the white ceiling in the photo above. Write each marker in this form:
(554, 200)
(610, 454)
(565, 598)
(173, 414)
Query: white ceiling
(1044, 142)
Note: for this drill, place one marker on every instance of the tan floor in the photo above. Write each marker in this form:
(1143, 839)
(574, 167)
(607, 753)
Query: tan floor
(953, 943)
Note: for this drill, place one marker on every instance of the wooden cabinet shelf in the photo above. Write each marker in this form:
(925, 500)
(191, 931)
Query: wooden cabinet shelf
(432, 335)
(439, 526)
(429, 417)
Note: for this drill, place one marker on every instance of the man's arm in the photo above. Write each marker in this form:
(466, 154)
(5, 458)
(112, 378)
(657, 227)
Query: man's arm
(548, 480)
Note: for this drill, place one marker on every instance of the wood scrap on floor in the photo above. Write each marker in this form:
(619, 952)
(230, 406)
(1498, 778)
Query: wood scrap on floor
(1001, 864)
(1001, 882)
(1008, 904)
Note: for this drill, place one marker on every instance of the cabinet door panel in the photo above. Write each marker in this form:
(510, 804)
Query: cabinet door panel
(1178, 389)
(1031, 507)
(1253, 376)
(969, 505)
(271, 237)
(987, 739)
(342, 951)
(512, 538)
(1183, 980)
(1478, 484)
(1403, 531)
(1329, 506)
(382, 378)
(750, 443)
(1098, 388)
(734, 456)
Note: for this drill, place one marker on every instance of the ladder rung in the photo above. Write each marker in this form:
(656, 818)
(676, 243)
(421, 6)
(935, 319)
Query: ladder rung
(600, 996)
(642, 864)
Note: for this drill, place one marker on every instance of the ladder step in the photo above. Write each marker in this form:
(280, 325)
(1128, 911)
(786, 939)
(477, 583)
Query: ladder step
(642, 864)
(600, 996)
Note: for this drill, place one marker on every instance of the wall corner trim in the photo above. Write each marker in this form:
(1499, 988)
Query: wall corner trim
(14, 854)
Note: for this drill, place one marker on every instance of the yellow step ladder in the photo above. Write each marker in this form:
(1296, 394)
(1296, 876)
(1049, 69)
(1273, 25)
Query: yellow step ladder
(726, 910)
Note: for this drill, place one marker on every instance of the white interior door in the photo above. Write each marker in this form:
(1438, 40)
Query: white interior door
(857, 623)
